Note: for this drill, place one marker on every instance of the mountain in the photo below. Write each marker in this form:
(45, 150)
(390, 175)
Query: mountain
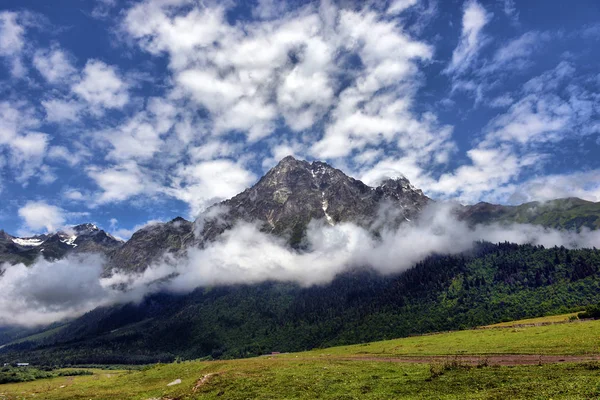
(295, 192)
(282, 202)
(152, 242)
(489, 284)
(568, 213)
(485, 285)
(84, 238)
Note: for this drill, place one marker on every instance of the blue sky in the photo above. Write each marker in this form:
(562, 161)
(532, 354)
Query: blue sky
(120, 113)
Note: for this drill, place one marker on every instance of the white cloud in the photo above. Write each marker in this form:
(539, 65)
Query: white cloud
(490, 170)
(471, 39)
(49, 291)
(246, 76)
(120, 182)
(102, 8)
(38, 215)
(268, 9)
(29, 146)
(12, 41)
(26, 147)
(140, 137)
(397, 6)
(552, 108)
(251, 77)
(531, 119)
(74, 195)
(213, 149)
(53, 64)
(517, 53)
(584, 185)
(62, 110)
(102, 87)
(502, 101)
(62, 153)
(205, 183)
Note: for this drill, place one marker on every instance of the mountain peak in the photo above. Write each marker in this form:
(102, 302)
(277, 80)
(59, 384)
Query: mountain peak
(288, 159)
(83, 229)
(294, 192)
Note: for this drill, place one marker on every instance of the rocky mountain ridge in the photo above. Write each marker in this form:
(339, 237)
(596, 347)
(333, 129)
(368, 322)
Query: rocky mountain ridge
(83, 238)
(283, 202)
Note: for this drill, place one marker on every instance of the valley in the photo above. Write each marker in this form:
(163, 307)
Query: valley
(559, 360)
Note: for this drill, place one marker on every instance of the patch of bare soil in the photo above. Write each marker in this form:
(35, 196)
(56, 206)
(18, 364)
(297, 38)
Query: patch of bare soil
(202, 381)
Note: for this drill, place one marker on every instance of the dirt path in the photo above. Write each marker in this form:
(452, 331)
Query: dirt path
(492, 359)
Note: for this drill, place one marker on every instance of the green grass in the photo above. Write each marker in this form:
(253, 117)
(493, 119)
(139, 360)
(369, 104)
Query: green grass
(286, 378)
(575, 338)
(550, 319)
(321, 374)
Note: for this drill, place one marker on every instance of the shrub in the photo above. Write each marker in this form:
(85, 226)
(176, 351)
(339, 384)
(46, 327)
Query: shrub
(592, 311)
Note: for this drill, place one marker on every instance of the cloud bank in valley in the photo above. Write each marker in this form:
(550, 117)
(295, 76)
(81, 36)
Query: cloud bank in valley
(51, 291)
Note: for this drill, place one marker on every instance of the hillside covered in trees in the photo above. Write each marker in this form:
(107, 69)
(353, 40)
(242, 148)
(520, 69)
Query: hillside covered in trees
(492, 283)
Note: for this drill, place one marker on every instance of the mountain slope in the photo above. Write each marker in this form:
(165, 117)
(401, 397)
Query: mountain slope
(295, 192)
(150, 243)
(443, 292)
(568, 213)
(489, 284)
(283, 202)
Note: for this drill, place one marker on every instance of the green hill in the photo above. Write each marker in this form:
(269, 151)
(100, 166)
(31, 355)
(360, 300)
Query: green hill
(569, 213)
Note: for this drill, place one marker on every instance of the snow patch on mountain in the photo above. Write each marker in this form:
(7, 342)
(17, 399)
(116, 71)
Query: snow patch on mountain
(28, 242)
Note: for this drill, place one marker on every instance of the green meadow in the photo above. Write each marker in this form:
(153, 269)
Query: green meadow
(365, 371)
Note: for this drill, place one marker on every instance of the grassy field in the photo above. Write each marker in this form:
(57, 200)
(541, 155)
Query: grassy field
(324, 374)
(551, 319)
(576, 338)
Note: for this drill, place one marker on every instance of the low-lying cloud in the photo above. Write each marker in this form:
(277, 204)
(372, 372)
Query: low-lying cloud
(51, 291)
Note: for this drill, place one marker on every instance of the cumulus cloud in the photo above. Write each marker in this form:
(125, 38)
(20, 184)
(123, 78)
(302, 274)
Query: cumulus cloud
(53, 64)
(28, 151)
(354, 71)
(12, 41)
(550, 108)
(584, 185)
(124, 233)
(120, 182)
(475, 17)
(62, 111)
(38, 215)
(397, 6)
(26, 147)
(102, 87)
(246, 255)
(511, 10)
(205, 183)
(339, 81)
(139, 138)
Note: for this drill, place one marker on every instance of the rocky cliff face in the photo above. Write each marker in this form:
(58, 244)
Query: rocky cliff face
(150, 243)
(295, 192)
